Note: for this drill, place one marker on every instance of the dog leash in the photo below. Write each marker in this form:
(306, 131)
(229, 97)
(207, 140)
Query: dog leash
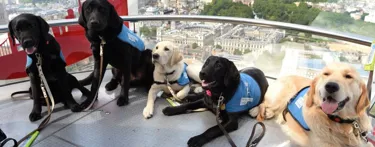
(45, 89)
(100, 74)
(250, 143)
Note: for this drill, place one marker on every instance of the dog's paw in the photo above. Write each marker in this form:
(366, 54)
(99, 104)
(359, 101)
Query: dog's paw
(76, 108)
(111, 85)
(198, 90)
(35, 116)
(148, 112)
(168, 111)
(87, 103)
(268, 114)
(197, 141)
(121, 101)
(254, 112)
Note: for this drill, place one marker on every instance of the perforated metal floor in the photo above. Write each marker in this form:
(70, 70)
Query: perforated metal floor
(112, 126)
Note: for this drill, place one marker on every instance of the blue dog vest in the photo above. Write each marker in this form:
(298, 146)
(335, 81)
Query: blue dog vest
(129, 37)
(295, 107)
(246, 97)
(29, 60)
(184, 79)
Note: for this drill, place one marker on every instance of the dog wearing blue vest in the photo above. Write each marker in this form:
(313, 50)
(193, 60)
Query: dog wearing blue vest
(242, 90)
(121, 47)
(32, 33)
(170, 68)
(328, 111)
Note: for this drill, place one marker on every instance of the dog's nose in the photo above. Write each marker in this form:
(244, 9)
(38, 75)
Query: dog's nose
(155, 56)
(332, 87)
(28, 43)
(94, 22)
(202, 75)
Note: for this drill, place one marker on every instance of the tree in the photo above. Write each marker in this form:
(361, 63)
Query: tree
(218, 46)
(285, 11)
(247, 51)
(145, 31)
(363, 16)
(237, 52)
(228, 8)
(194, 45)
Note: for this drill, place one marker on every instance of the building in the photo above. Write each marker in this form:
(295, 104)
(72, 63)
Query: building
(249, 38)
(188, 34)
(178, 3)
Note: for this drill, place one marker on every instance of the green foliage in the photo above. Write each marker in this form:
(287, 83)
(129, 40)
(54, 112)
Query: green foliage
(194, 45)
(344, 23)
(147, 31)
(228, 8)
(343, 59)
(363, 16)
(218, 46)
(237, 52)
(247, 51)
(285, 11)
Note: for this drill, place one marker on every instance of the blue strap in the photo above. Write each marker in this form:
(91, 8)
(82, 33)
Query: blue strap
(247, 95)
(184, 78)
(295, 107)
(129, 37)
(62, 56)
(29, 60)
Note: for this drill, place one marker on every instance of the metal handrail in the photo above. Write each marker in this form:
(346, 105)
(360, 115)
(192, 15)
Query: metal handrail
(349, 37)
(354, 38)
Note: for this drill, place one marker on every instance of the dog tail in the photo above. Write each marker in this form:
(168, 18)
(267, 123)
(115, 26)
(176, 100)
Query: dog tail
(87, 81)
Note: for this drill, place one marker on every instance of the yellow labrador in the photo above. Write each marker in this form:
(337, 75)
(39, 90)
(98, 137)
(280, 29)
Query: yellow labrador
(324, 112)
(169, 65)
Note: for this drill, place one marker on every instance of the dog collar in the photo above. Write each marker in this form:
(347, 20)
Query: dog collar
(340, 120)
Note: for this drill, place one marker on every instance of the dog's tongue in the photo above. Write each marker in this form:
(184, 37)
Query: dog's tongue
(30, 50)
(204, 84)
(329, 107)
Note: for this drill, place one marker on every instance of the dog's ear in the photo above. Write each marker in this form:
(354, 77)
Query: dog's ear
(44, 27)
(176, 57)
(311, 93)
(81, 18)
(231, 74)
(363, 102)
(11, 32)
(114, 18)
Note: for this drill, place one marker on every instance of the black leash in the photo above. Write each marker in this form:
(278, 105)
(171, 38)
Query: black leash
(250, 143)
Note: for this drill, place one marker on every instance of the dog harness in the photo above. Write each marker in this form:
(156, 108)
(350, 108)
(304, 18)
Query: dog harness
(295, 107)
(182, 81)
(29, 60)
(129, 37)
(246, 97)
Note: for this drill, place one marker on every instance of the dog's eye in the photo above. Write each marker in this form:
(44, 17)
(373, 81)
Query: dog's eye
(166, 49)
(217, 65)
(348, 76)
(326, 74)
(156, 47)
(88, 9)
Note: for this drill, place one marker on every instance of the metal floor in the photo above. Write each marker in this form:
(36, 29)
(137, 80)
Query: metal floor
(112, 126)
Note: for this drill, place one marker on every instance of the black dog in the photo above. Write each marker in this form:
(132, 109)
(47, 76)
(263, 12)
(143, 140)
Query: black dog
(143, 78)
(32, 32)
(122, 48)
(242, 91)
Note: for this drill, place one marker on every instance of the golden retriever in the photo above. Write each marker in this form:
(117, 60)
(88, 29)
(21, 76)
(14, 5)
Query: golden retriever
(168, 64)
(336, 100)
